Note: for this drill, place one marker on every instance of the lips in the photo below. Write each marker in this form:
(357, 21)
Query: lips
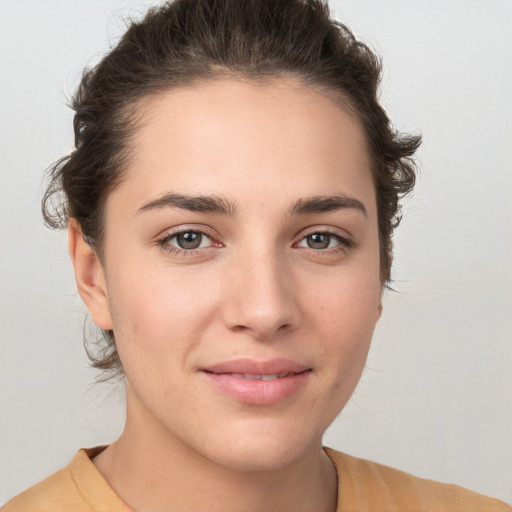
(254, 367)
(258, 382)
(250, 376)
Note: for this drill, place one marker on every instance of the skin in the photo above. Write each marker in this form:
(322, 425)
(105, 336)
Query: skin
(255, 288)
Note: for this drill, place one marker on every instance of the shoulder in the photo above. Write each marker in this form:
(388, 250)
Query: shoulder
(56, 493)
(78, 487)
(368, 486)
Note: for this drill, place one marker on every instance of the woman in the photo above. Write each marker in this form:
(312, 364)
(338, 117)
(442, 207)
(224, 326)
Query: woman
(230, 205)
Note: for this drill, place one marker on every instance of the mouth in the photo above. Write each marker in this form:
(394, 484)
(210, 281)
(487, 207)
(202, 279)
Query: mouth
(249, 376)
(258, 382)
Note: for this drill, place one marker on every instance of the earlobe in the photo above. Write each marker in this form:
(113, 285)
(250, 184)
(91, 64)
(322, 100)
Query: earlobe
(90, 277)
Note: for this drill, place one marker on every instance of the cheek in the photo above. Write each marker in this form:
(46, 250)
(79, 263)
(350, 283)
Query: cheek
(343, 321)
(347, 304)
(345, 317)
(158, 313)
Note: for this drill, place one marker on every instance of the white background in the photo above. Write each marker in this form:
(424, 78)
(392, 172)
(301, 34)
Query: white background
(436, 397)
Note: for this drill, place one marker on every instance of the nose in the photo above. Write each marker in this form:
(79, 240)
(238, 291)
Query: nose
(260, 296)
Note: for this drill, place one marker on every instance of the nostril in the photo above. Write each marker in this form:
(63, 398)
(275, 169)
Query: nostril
(261, 333)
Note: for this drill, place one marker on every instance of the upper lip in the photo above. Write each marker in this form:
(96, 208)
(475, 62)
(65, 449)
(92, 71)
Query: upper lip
(255, 367)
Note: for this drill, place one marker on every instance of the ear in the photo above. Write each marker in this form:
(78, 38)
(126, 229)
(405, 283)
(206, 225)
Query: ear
(90, 277)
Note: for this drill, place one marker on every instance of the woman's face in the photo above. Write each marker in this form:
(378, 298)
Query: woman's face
(241, 269)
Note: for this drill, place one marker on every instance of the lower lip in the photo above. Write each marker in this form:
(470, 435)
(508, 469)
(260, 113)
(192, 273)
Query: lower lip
(258, 392)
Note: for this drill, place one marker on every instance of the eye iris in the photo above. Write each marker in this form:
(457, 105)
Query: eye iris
(318, 241)
(189, 240)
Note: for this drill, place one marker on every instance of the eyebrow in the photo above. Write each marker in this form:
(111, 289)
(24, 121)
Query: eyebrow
(222, 206)
(324, 204)
(202, 204)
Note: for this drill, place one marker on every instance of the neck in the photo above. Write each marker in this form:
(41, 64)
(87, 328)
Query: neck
(151, 470)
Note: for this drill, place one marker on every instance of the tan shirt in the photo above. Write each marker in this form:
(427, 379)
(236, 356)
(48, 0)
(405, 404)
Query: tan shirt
(363, 486)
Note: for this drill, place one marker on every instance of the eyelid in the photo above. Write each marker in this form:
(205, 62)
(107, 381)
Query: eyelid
(327, 230)
(183, 228)
(204, 239)
(163, 239)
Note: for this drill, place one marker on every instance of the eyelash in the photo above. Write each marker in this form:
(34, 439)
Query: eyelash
(344, 243)
(166, 246)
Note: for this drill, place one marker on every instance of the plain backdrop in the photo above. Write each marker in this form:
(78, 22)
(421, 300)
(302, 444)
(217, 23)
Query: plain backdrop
(436, 396)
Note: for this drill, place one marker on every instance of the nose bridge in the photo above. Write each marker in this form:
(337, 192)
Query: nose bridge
(261, 297)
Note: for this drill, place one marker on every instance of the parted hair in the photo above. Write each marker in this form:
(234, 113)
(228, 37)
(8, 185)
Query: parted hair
(185, 42)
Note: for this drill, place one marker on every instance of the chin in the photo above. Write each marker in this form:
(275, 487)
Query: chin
(262, 450)
(258, 459)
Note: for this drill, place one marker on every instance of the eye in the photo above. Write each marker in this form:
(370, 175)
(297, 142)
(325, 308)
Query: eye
(188, 240)
(325, 240)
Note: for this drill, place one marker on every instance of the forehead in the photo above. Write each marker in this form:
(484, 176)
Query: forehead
(231, 137)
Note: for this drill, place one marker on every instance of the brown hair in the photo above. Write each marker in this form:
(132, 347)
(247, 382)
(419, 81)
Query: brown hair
(186, 41)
